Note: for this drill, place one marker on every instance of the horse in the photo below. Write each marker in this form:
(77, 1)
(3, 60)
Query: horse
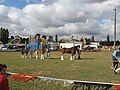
(46, 48)
(28, 50)
(71, 51)
(50, 49)
(45, 52)
(41, 51)
(25, 52)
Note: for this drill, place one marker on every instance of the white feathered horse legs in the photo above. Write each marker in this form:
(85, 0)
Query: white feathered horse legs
(36, 54)
(40, 51)
(42, 56)
(71, 58)
(62, 57)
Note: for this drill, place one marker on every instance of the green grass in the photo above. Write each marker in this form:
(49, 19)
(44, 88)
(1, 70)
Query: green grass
(94, 66)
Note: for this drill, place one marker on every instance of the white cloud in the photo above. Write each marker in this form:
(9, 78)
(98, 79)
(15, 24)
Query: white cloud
(62, 17)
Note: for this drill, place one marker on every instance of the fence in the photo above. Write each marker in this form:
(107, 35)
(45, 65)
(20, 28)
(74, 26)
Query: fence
(76, 85)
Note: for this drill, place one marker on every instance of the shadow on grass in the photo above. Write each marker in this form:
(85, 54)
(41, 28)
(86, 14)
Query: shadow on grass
(75, 59)
(87, 58)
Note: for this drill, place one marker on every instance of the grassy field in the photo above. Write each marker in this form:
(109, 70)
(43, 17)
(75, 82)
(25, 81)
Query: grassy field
(94, 66)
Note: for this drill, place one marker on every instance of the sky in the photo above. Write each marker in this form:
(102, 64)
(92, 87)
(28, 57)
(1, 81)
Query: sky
(78, 18)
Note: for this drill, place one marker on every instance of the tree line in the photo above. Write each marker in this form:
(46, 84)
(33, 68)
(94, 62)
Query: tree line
(106, 42)
(4, 38)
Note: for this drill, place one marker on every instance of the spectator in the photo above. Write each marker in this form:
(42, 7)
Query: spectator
(4, 66)
(3, 79)
(82, 40)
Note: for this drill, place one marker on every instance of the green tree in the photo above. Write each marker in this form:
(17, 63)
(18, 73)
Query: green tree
(88, 40)
(12, 37)
(108, 39)
(92, 39)
(50, 39)
(56, 38)
(4, 34)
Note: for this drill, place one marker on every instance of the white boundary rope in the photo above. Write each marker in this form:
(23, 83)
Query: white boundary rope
(76, 83)
(66, 80)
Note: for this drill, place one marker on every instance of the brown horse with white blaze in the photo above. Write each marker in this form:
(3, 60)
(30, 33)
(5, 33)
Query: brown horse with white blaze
(71, 51)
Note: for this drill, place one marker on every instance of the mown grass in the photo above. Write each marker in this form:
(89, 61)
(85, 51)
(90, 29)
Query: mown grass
(94, 66)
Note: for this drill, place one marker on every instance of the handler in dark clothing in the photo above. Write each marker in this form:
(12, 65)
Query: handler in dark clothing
(115, 57)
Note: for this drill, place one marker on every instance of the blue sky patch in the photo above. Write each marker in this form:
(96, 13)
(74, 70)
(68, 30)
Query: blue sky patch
(18, 3)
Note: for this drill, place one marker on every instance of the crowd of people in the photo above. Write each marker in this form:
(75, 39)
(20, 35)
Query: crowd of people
(3, 77)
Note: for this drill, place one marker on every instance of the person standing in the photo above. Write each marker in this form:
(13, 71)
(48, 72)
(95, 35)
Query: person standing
(3, 79)
(83, 42)
(115, 59)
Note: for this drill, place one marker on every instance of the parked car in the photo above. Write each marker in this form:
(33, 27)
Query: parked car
(92, 48)
(4, 47)
(12, 47)
(9, 47)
